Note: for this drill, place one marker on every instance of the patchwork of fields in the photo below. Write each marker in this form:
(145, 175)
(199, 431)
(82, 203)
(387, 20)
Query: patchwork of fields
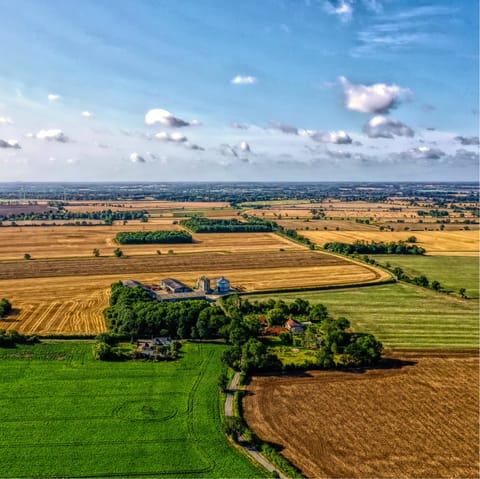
(65, 415)
(418, 419)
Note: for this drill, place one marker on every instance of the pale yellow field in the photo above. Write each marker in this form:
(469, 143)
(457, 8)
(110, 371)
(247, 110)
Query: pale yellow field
(79, 241)
(464, 243)
(87, 206)
(74, 304)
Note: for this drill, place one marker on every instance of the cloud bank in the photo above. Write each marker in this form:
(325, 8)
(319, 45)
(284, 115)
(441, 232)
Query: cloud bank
(383, 127)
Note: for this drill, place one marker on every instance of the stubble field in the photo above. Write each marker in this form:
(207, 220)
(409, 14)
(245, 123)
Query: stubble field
(418, 420)
(448, 243)
(80, 241)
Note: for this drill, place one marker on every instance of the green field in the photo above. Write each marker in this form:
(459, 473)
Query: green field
(453, 272)
(65, 415)
(402, 315)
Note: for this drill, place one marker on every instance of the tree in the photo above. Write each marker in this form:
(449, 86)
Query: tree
(463, 292)
(27, 256)
(118, 252)
(96, 252)
(436, 285)
(233, 426)
(223, 382)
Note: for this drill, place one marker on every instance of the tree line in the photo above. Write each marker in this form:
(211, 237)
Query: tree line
(199, 224)
(153, 237)
(106, 215)
(362, 247)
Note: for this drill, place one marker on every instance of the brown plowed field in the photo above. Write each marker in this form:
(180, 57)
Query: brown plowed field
(177, 263)
(418, 419)
(68, 296)
(75, 241)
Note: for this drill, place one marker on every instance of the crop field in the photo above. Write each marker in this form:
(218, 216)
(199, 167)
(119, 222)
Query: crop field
(449, 243)
(68, 296)
(417, 418)
(77, 241)
(402, 316)
(65, 415)
(167, 206)
(453, 272)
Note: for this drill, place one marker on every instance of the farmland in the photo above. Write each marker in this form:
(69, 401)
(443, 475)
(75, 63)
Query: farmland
(453, 272)
(65, 415)
(417, 419)
(77, 241)
(448, 243)
(403, 316)
(54, 297)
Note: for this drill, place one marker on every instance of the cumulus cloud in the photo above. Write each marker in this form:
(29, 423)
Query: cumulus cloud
(164, 117)
(243, 80)
(376, 98)
(10, 144)
(52, 135)
(288, 129)
(464, 156)
(6, 120)
(468, 140)
(383, 127)
(337, 137)
(174, 137)
(425, 153)
(87, 114)
(343, 9)
(53, 97)
(136, 158)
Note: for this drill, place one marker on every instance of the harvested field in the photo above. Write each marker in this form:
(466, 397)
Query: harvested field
(53, 297)
(418, 419)
(462, 243)
(76, 241)
(22, 208)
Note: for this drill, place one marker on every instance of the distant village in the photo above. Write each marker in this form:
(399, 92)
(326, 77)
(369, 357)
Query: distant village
(172, 290)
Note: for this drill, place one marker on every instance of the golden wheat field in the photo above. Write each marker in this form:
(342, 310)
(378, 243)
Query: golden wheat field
(88, 206)
(464, 243)
(68, 296)
(416, 419)
(77, 241)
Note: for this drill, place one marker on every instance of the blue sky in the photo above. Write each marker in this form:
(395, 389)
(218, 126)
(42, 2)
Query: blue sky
(239, 90)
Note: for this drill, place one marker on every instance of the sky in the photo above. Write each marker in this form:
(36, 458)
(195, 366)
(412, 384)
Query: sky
(250, 90)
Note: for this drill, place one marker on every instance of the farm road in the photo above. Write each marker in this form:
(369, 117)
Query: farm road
(248, 447)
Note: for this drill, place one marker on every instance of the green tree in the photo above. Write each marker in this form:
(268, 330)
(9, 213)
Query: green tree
(223, 382)
(96, 252)
(27, 256)
(118, 252)
(233, 426)
(463, 292)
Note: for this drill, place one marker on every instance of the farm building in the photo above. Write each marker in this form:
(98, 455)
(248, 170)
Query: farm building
(174, 286)
(203, 284)
(223, 285)
(294, 326)
(131, 283)
(174, 297)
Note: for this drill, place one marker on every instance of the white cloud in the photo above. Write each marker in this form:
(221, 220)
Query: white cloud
(6, 120)
(244, 146)
(243, 80)
(175, 137)
(343, 9)
(87, 114)
(383, 127)
(164, 117)
(337, 137)
(53, 97)
(425, 153)
(136, 158)
(52, 135)
(376, 98)
(10, 144)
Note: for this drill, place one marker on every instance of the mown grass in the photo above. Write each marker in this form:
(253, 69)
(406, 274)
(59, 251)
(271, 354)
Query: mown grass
(65, 415)
(402, 315)
(453, 272)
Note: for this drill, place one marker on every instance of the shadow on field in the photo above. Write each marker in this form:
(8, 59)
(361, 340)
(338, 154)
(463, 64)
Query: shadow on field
(11, 318)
